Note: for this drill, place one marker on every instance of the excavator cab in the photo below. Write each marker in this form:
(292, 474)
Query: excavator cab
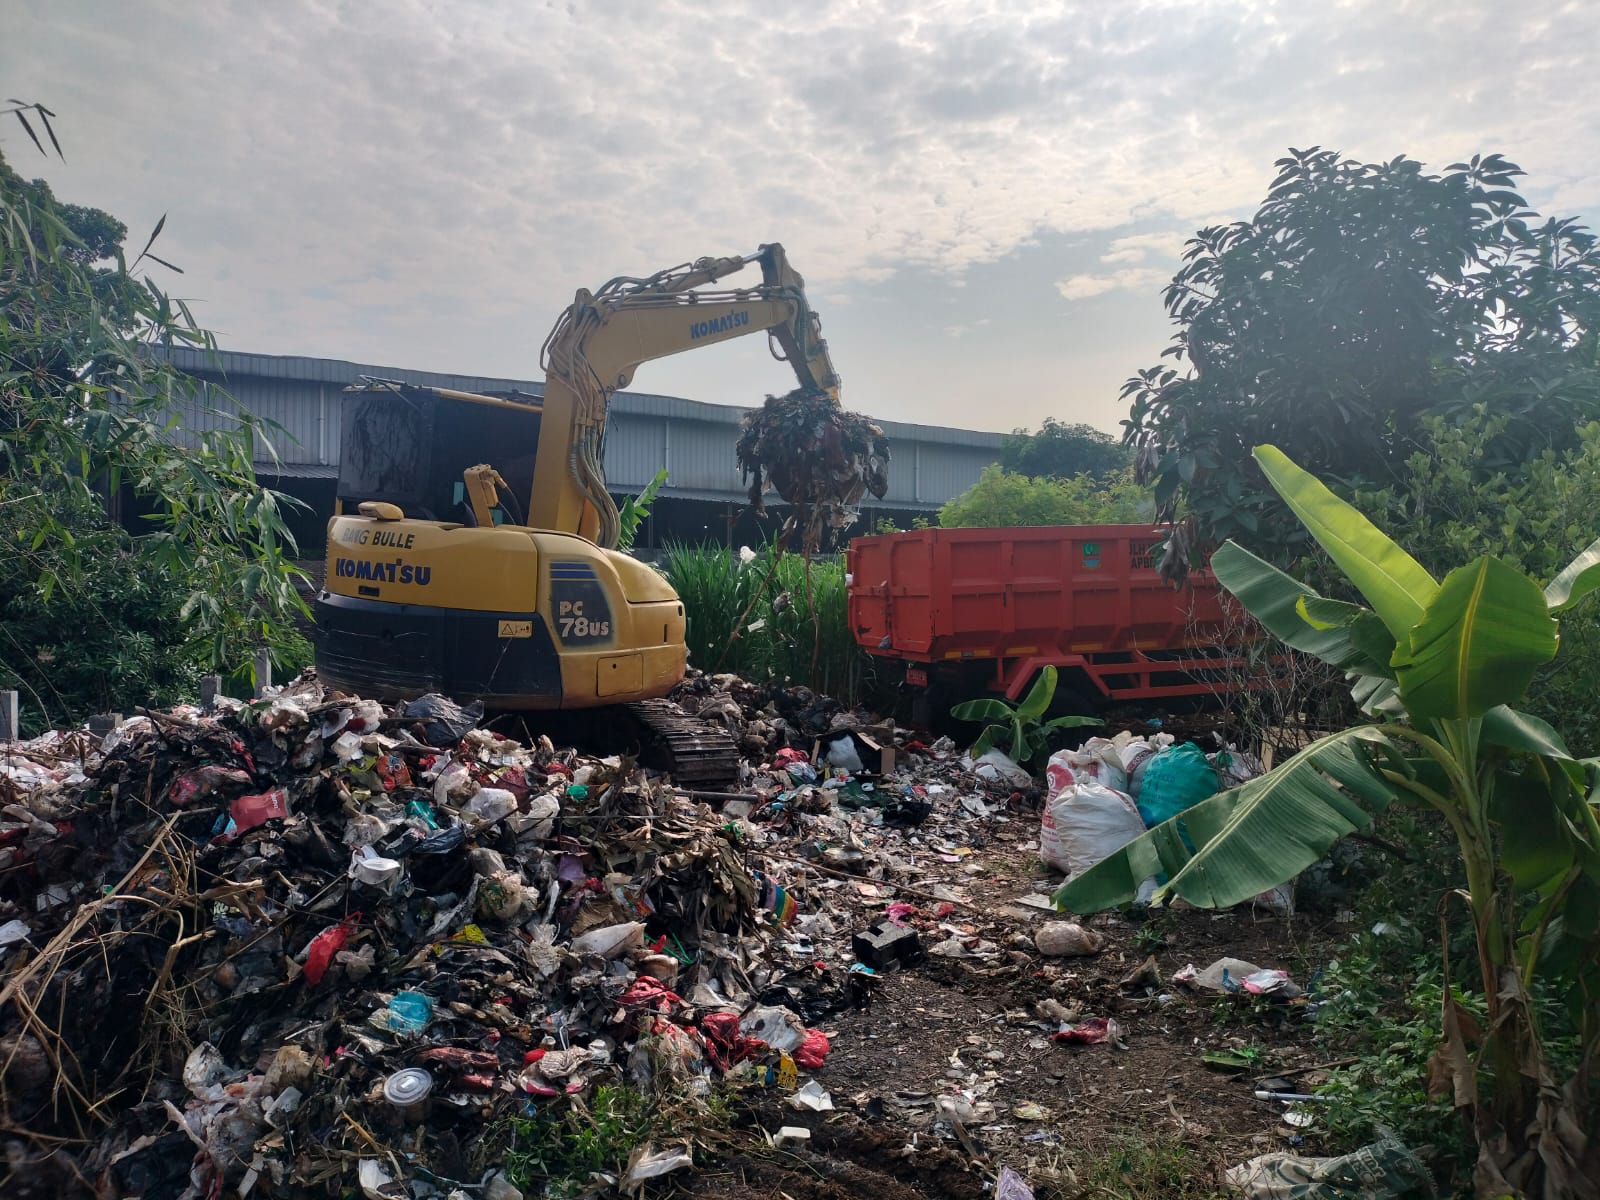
(434, 583)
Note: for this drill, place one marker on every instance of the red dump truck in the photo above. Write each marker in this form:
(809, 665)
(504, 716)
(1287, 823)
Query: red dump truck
(970, 611)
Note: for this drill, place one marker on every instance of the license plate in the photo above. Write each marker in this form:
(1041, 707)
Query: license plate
(917, 676)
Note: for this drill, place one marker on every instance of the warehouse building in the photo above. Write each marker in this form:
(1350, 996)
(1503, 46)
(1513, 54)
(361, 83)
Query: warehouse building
(704, 499)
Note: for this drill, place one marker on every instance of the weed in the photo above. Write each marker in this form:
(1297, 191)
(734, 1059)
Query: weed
(1144, 1165)
(1153, 935)
(558, 1151)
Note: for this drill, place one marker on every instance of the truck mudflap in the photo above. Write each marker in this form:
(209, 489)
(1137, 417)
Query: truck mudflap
(395, 651)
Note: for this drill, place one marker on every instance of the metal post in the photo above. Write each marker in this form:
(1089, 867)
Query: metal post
(10, 723)
(210, 689)
(103, 723)
(263, 672)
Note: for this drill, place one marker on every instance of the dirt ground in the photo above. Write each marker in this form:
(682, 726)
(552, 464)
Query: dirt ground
(950, 1026)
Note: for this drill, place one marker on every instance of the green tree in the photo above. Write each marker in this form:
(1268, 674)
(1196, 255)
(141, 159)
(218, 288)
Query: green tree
(1002, 498)
(95, 615)
(1359, 299)
(1060, 451)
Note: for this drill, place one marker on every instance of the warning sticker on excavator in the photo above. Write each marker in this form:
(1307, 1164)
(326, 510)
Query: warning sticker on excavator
(516, 629)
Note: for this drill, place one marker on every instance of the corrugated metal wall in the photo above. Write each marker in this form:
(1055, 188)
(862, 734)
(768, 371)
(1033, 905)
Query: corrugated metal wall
(694, 441)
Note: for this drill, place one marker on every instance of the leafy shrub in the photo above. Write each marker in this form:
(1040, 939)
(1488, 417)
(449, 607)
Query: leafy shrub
(1001, 498)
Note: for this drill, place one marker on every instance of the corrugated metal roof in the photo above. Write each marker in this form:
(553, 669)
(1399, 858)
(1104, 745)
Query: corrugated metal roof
(693, 440)
(229, 364)
(289, 470)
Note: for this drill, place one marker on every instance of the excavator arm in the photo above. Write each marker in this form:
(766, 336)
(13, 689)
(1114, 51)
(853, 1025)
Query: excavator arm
(603, 337)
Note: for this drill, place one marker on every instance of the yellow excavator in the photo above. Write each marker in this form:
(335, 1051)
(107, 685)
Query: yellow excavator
(438, 581)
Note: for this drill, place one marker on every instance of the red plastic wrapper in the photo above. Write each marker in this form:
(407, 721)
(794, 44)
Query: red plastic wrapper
(647, 993)
(789, 755)
(249, 811)
(812, 1052)
(725, 1045)
(202, 782)
(392, 771)
(1093, 1031)
(325, 945)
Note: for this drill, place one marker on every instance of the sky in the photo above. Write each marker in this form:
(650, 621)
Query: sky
(985, 197)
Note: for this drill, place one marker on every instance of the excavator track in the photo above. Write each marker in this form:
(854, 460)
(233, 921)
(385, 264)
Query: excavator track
(697, 754)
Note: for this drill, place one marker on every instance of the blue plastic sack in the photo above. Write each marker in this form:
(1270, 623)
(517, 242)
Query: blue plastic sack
(1176, 779)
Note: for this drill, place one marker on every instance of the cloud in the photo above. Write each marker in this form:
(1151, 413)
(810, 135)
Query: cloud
(450, 174)
(1082, 287)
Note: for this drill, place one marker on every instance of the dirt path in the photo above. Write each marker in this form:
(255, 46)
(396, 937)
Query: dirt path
(951, 1073)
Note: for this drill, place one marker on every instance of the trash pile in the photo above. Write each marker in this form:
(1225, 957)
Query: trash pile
(821, 459)
(312, 940)
(317, 944)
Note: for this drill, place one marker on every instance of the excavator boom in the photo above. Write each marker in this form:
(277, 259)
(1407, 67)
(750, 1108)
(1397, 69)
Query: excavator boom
(604, 336)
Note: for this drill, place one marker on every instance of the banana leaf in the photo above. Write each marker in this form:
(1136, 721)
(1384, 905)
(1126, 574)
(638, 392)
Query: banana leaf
(1480, 641)
(1250, 838)
(1394, 583)
(1039, 695)
(1577, 579)
(1275, 599)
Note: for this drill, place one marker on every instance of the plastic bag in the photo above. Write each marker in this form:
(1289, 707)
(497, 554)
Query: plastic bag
(1065, 939)
(813, 1050)
(999, 766)
(777, 1027)
(1084, 824)
(1234, 766)
(325, 945)
(1279, 900)
(1385, 1170)
(610, 941)
(842, 754)
(492, 804)
(1177, 778)
(444, 722)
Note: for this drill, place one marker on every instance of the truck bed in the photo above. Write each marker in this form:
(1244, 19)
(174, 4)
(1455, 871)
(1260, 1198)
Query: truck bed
(1084, 597)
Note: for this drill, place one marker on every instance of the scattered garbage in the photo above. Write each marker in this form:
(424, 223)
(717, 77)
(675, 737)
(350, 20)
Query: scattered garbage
(821, 459)
(1095, 1031)
(365, 920)
(1062, 939)
(1011, 1186)
(887, 944)
(812, 1097)
(1385, 1170)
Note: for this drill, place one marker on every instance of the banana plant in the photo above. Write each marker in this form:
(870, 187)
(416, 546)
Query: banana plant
(1027, 734)
(1436, 666)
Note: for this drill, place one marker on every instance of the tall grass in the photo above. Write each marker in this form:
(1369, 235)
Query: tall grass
(808, 642)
